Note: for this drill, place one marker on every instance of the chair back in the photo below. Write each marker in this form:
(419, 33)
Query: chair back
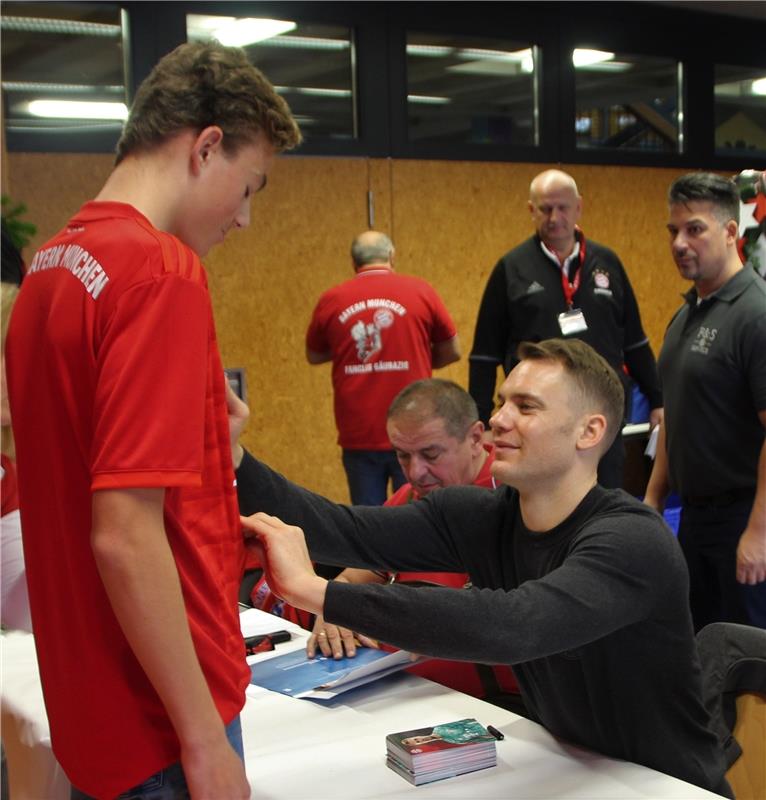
(733, 659)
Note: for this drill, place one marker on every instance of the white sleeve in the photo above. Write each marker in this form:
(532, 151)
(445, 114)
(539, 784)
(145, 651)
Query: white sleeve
(13, 581)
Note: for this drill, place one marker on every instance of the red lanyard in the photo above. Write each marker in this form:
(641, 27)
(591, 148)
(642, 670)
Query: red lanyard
(571, 288)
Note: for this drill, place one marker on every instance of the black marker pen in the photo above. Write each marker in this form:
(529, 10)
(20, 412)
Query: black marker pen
(496, 733)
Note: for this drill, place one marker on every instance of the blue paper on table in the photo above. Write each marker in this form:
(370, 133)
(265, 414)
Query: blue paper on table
(323, 678)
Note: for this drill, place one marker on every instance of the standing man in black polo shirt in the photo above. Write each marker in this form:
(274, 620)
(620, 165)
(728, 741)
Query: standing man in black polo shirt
(557, 284)
(712, 447)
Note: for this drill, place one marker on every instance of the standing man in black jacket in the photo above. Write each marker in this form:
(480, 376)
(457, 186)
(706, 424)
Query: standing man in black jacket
(557, 284)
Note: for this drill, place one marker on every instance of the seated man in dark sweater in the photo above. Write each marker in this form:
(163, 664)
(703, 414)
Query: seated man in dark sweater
(582, 589)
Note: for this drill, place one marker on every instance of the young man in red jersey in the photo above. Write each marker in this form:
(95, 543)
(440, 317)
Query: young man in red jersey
(129, 510)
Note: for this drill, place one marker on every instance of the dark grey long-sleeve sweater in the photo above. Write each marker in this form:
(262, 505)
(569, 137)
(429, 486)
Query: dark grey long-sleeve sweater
(593, 615)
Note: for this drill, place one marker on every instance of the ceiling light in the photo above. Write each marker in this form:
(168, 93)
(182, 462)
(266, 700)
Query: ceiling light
(608, 66)
(73, 109)
(759, 86)
(583, 58)
(241, 32)
(315, 91)
(431, 50)
(428, 100)
(309, 43)
(481, 52)
(497, 63)
(61, 88)
(201, 27)
(59, 26)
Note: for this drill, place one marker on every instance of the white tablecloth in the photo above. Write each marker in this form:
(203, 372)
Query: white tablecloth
(296, 749)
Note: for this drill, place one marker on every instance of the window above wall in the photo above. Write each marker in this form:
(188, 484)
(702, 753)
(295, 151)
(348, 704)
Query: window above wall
(740, 111)
(310, 65)
(472, 90)
(439, 80)
(62, 70)
(627, 102)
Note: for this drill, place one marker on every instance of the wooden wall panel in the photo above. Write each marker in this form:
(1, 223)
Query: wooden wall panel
(265, 282)
(453, 220)
(450, 222)
(54, 186)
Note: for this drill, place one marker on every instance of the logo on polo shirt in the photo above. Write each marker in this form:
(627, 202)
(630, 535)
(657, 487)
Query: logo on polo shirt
(383, 318)
(704, 340)
(601, 279)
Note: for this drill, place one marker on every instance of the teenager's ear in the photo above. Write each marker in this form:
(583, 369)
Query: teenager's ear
(208, 141)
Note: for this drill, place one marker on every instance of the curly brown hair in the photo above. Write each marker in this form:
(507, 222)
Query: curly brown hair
(201, 84)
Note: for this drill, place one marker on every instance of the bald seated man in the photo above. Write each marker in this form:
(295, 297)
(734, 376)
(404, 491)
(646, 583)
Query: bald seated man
(381, 331)
(558, 284)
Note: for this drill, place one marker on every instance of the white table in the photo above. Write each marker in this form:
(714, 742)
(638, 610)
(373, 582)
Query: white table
(297, 749)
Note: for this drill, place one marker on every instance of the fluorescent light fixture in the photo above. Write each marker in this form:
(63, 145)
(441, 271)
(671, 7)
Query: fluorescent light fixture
(527, 61)
(430, 50)
(428, 100)
(313, 91)
(202, 27)
(197, 23)
(741, 88)
(584, 58)
(59, 26)
(497, 63)
(309, 43)
(481, 52)
(61, 88)
(608, 66)
(74, 109)
(241, 32)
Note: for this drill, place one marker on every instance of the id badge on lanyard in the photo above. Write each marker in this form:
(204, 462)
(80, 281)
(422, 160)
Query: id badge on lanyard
(573, 320)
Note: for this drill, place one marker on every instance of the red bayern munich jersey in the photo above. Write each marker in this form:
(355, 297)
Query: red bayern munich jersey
(460, 675)
(116, 382)
(379, 327)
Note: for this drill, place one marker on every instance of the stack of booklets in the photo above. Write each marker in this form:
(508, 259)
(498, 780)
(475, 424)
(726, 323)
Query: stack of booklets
(443, 751)
(323, 678)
